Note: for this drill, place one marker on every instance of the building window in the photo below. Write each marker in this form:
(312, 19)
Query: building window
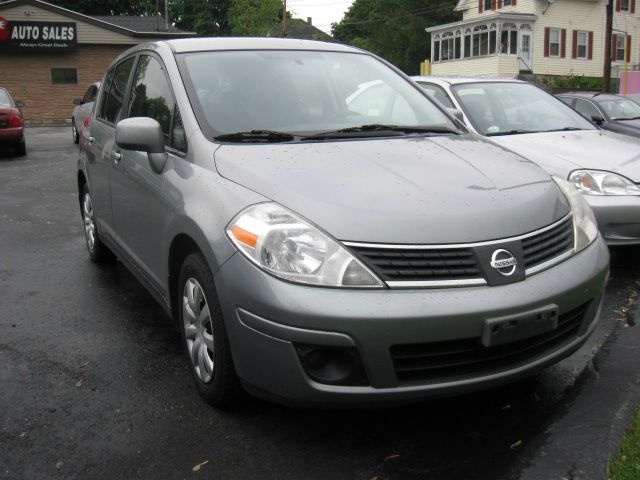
(554, 42)
(64, 76)
(506, 3)
(582, 46)
(620, 48)
(509, 39)
(624, 5)
(480, 41)
(436, 51)
(467, 43)
(487, 4)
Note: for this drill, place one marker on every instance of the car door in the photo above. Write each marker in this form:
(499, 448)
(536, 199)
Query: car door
(139, 206)
(101, 142)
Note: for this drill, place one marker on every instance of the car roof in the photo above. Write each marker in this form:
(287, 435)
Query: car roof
(456, 80)
(250, 43)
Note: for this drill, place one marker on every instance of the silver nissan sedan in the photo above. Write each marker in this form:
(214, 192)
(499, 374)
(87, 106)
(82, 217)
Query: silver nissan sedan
(602, 165)
(319, 244)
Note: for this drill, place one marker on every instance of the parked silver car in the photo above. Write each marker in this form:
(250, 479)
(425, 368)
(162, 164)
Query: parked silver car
(610, 112)
(82, 111)
(318, 254)
(603, 165)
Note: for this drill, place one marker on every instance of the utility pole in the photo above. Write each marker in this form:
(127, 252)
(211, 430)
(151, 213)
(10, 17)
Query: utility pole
(166, 14)
(284, 18)
(608, 34)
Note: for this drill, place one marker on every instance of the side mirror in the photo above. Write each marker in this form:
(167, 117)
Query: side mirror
(143, 134)
(597, 119)
(77, 101)
(456, 113)
(19, 103)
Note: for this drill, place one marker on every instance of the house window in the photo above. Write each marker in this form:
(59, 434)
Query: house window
(509, 39)
(436, 51)
(64, 76)
(487, 4)
(620, 50)
(554, 42)
(467, 43)
(624, 5)
(506, 3)
(582, 45)
(480, 41)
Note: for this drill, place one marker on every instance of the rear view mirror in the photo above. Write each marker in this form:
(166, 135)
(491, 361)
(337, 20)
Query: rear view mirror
(77, 101)
(597, 119)
(143, 134)
(19, 103)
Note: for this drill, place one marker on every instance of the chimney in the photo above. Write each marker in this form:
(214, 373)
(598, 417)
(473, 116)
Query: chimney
(309, 20)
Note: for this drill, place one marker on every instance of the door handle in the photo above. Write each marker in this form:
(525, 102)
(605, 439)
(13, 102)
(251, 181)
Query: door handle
(116, 157)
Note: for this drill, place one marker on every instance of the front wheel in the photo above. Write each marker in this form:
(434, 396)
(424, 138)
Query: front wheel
(204, 335)
(74, 132)
(21, 148)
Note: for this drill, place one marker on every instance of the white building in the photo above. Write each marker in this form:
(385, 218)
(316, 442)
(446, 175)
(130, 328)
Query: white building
(505, 38)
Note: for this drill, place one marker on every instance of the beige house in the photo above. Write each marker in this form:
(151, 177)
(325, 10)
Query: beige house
(508, 38)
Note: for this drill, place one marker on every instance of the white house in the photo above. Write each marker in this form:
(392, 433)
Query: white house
(505, 38)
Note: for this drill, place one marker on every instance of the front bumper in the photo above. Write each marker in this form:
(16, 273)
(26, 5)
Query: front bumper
(265, 317)
(618, 218)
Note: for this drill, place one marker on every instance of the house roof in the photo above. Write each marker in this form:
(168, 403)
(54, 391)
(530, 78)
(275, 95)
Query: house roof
(139, 24)
(301, 29)
(124, 24)
(485, 19)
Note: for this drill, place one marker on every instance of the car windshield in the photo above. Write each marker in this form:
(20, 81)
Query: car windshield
(505, 108)
(302, 93)
(5, 101)
(620, 109)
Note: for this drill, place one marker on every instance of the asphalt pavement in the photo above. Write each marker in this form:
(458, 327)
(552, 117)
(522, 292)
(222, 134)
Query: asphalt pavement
(93, 383)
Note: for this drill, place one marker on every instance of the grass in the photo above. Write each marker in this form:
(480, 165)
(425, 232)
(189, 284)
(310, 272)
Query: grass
(627, 464)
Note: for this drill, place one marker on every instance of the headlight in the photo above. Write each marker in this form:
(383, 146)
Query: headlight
(597, 182)
(585, 227)
(282, 243)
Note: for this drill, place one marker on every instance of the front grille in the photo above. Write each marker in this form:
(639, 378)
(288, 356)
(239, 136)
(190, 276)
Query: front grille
(420, 265)
(544, 246)
(457, 359)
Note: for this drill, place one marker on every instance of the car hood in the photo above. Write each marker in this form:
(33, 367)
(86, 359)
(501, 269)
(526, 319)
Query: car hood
(632, 126)
(561, 152)
(449, 189)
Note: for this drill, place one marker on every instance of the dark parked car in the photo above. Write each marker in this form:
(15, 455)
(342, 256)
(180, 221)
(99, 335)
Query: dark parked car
(611, 112)
(82, 111)
(12, 123)
(319, 244)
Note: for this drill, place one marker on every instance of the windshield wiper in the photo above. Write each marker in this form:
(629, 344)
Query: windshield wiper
(630, 118)
(511, 132)
(564, 129)
(256, 136)
(366, 130)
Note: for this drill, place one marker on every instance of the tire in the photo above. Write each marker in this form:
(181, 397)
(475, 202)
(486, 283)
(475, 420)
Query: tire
(98, 251)
(204, 336)
(74, 132)
(21, 148)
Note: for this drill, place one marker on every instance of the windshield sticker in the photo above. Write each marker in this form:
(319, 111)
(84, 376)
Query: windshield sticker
(493, 129)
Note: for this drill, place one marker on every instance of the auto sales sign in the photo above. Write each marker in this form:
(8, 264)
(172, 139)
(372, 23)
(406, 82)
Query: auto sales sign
(37, 36)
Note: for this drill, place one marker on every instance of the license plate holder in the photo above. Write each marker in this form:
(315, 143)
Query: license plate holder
(511, 328)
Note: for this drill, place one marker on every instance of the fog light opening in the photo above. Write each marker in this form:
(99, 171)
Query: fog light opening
(332, 365)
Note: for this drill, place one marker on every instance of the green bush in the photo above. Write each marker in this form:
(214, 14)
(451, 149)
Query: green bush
(578, 82)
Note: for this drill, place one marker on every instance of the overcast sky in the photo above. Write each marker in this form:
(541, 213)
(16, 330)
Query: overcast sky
(323, 12)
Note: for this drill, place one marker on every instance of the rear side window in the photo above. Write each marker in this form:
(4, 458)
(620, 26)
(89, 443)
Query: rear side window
(5, 101)
(586, 108)
(115, 98)
(106, 85)
(90, 95)
(150, 94)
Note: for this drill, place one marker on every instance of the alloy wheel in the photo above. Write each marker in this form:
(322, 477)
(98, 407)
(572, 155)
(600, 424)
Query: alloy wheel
(198, 330)
(89, 222)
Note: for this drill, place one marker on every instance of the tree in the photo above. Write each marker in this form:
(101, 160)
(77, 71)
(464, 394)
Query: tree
(254, 18)
(112, 7)
(394, 29)
(205, 17)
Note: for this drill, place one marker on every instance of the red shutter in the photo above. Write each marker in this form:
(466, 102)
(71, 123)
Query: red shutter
(617, 5)
(563, 43)
(574, 45)
(513, 3)
(632, 6)
(628, 59)
(480, 5)
(546, 41)
(590, 46)
(614, 42)
(494, 4)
